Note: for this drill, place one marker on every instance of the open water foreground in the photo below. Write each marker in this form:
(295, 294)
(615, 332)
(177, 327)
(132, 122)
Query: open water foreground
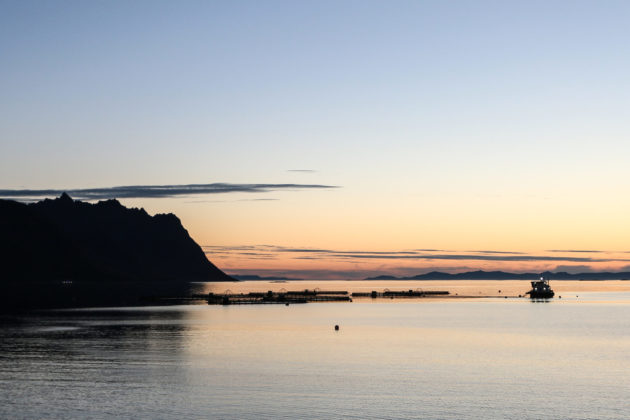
(432, 358)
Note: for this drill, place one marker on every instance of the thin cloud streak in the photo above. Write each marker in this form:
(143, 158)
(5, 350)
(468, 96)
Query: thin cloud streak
(481, 257)
(329, 254)
(498, 252)
(586, 251)
(158, 191)
(312, 274)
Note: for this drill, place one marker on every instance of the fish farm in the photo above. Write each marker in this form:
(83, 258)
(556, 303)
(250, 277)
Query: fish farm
(306, 295)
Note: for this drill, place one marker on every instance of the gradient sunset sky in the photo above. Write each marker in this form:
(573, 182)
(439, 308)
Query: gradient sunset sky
(348, 138)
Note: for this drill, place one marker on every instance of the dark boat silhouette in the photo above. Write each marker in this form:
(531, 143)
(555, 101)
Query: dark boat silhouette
(540, 289)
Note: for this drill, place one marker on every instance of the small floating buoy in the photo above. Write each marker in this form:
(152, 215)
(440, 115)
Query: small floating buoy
(336, 327)
(559, 297)
(286, 304)
(506, 297)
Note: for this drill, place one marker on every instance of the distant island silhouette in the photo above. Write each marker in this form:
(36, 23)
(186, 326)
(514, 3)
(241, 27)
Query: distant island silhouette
(502, 275)
(73, 241)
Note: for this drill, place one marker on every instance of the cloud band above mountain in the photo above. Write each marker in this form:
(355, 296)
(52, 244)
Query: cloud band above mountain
(156, 191)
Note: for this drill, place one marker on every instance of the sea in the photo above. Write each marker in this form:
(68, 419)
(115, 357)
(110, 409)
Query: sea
(481, 353)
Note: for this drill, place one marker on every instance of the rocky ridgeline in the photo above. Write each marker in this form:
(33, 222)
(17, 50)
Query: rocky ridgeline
(69, 240)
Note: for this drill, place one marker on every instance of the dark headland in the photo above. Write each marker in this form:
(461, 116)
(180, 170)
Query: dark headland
(502, 275)
(86, 246)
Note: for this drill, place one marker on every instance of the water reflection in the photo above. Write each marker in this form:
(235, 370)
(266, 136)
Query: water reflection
(495, 358)
(67, 364)
(569, 290)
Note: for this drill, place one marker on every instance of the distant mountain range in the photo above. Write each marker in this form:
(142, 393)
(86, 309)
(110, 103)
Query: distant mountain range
(502, 275)
(69, 240)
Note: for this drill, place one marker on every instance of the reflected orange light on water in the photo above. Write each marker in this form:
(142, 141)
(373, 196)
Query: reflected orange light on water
(459, 288)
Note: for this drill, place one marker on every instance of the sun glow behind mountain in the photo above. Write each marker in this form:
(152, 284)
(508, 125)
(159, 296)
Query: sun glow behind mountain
(358, 128)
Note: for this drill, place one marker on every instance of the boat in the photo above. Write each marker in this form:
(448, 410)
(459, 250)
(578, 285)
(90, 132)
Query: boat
(540, 289)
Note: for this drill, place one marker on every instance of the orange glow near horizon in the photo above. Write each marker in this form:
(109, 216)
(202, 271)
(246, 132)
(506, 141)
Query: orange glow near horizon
(333, 264)
(492, 126)
(347, 223)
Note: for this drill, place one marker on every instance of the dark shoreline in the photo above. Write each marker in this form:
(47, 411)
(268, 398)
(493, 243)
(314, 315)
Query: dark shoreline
(29, 296)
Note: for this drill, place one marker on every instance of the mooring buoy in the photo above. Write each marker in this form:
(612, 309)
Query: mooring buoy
(336, 327)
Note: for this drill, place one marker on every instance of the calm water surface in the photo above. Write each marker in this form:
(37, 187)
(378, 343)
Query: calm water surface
(442, 359)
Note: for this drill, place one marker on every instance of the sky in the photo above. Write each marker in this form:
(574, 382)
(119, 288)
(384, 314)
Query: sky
(333, 139)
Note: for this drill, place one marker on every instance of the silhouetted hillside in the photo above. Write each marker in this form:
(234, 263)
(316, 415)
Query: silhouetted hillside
(502, 275)
(63, 239)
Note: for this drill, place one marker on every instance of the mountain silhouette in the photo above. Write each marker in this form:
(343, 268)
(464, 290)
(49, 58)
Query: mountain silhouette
(69, 240)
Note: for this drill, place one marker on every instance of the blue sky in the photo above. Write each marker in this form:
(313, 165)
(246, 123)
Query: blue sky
(462, 116)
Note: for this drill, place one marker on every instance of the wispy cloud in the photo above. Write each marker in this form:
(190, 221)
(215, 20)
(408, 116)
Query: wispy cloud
(306, 274)
(497, 252)
(586, 251)
(157, 191)
(313, 262)
(302, 170)
(479, 257)
(426, 255)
